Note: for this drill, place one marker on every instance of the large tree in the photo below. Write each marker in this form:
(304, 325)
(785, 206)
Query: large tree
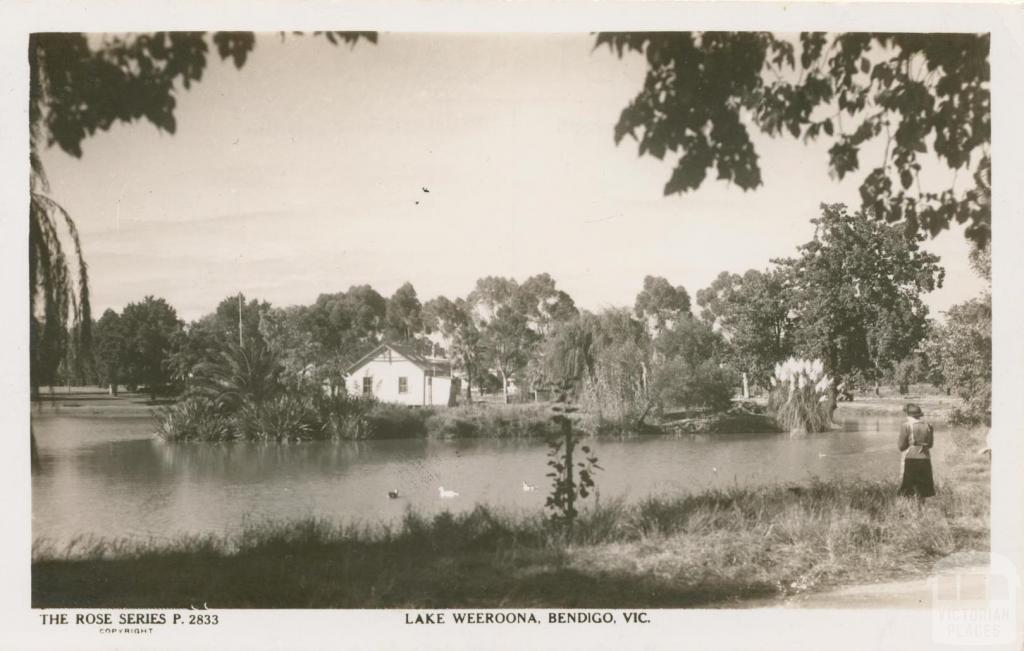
(403, 315)
(856, 290)
(496, 305)
(922, 94)
(752, 311)
(150, 327)
(659, 304)
(110, 347)
(453, 321)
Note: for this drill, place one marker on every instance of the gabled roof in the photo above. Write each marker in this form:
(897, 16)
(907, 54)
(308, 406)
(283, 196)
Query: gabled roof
(439, 367)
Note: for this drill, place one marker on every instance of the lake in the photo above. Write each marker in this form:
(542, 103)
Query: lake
(112, 477)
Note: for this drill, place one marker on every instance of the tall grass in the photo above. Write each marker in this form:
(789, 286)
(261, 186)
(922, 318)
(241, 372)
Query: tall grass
(799, 399)
(662, 551)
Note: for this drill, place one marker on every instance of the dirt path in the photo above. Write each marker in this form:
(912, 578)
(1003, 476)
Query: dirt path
(905, 593)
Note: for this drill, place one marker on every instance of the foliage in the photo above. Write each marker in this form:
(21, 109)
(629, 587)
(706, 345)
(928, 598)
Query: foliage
(109, 347)
(150, 327)
(194, 419)
(659, 304)
(616, 389)
(923, 94)
(800, 399)
(964, 348)
(856, 290)
(454, 324)
(342, 416)
(752, 312)
(397, 422)
(81, 85)
(58, 284)
(403, 315)
(486, 421)
(566, 489)
(288, 415)
(240, 376)
(679, 383)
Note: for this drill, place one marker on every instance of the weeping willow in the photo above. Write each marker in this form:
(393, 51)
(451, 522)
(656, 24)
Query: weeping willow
(59, 310)
(58, 284)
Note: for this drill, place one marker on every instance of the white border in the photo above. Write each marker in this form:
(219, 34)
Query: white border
(768, 629)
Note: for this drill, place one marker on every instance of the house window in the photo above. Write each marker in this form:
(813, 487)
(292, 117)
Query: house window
(367, 386)
(403, 385)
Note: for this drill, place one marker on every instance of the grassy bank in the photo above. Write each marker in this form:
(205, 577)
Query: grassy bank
(711, 548)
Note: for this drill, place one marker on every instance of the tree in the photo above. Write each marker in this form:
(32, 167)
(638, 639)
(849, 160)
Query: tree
(241, 375)
(660, 304)
(923, 94)
(752, 312)
(110, 348)
(403, 315)
(544, 304)
(857, 289)
(618, 358)
(967, 357)
(453, 321)
(149, 327)
(236, 312)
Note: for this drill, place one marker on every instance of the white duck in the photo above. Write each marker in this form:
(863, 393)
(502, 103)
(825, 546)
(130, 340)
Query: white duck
(446, 494)
(528, 487)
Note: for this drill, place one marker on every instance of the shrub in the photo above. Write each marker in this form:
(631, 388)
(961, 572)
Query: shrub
(505, 421)
(193, 419)
(799, 399)
(288, 416)
(397, 422)
(679, 384)
(342, 416)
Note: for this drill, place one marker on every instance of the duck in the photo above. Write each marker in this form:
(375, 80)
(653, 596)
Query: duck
(393, 494)
(714, 469)
(528, 487)
(446, 493)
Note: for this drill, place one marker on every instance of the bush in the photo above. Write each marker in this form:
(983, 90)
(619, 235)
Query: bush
(194, 419)
(506, 421)
(679, 384)
(397, 422)
(799, 399)
(288, 416)
(342, 416)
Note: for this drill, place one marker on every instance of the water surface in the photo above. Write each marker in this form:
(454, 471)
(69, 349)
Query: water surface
(112, 477)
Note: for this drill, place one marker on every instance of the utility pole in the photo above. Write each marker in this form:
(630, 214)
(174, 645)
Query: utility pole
(240, 343)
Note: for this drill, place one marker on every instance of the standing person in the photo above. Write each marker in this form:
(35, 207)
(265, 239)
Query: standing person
(915, 442)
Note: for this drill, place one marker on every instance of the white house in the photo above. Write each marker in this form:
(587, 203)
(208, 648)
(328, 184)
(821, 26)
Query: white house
(398, 374)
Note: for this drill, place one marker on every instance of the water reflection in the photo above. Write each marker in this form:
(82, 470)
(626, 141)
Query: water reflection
(111, 477)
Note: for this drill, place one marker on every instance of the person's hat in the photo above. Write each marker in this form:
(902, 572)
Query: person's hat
(913, 410)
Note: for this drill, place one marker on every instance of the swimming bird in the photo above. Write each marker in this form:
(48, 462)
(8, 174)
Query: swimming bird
(714, 469)
(446, 494)
(393, 494)
(528, 487)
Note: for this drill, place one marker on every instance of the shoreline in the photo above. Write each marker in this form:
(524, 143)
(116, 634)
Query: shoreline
(738, 547)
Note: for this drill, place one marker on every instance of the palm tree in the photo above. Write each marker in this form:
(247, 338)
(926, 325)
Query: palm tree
(240, 375)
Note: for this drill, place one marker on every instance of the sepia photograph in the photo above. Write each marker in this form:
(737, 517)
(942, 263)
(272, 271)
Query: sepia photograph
(510, 328)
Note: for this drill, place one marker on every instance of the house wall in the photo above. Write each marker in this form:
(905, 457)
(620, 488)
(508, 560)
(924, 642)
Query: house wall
(385, 376)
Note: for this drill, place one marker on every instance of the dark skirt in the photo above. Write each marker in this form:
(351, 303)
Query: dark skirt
(917, 478)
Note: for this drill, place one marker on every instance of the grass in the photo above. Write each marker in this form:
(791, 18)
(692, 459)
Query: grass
(710, 548)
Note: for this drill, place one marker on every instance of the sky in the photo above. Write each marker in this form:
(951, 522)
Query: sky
(304, 173)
